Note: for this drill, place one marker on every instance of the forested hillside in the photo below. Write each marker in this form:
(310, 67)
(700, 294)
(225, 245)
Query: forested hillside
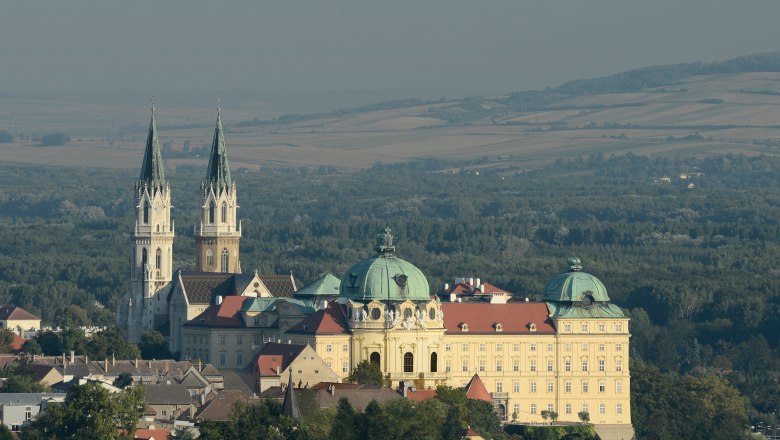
(693, 261)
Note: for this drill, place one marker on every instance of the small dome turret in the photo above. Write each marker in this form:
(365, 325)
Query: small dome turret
(384, 277)
(575, 286)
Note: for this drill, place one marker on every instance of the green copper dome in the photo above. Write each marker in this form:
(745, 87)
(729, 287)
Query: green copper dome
(575, 286)
(384, 277)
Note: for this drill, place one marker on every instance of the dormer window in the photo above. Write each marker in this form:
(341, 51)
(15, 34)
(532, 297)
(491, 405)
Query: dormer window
(531, 327)
(498, 326)
(464, 327)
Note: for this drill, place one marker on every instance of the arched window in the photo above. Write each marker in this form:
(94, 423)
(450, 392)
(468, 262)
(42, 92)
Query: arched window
(146, 212)
(224, 261)
(374, 358)
(408, 362)
(209, 258)
(158, 259)
(144, 259)
(224, 212)
(211, 213)
(434, 362)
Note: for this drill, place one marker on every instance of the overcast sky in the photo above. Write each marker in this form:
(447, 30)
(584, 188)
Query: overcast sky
(347, 45)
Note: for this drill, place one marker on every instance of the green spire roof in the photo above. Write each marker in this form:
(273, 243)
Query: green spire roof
(152, 168)
(218, 172)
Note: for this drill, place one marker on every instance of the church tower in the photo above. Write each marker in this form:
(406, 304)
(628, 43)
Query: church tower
(219, 232)
(151, 266)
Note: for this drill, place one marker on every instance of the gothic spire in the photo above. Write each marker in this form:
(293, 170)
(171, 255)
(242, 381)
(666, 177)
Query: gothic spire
(152, 168)
(290, 404)
(218, 173)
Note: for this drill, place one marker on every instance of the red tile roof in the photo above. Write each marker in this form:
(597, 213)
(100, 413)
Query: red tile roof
(274, 358)
(328, 321)
(482, 317)
(476, 390)
(223, 315)
(420, 395)
(17, 343)
(156, 434)
(13, 312)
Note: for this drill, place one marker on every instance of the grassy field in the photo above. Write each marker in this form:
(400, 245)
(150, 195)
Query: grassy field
(702, 115)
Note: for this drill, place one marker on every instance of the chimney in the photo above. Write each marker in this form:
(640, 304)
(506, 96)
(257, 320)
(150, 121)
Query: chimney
(332, 389)
(199, 367)
(72, 356)
(446, 286)
(219, 299)
(86, 359)
(105, 365)
(477, 282)
(63, 358)
(149, 363)
(136, 363)
(113, 359)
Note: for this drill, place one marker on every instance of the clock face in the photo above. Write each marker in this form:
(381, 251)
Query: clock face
(587, 299)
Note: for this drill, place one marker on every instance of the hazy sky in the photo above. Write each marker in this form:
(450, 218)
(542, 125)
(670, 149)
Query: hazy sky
(327, 45)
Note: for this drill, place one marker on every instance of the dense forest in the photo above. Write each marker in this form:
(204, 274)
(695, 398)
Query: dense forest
(693, 261)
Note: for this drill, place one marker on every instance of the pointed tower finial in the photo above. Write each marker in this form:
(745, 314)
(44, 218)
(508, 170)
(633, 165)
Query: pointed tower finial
(152, 105)
(152, 167)
(219, 106)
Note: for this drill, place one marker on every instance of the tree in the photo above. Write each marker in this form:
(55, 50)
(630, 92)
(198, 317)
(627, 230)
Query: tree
(584, 416)
(154, 346)
(111, 342)
(366, 373)
(453, 425)
(20, 383)
(55, 139)
(124, 380)
(5, 433)
(31, 347)
(483, 418)
(72, 316)
(343, 427)
(90, 412)
(6, 339)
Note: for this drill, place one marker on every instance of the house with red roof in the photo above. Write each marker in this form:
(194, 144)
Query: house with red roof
(275, 362)
(18, 320)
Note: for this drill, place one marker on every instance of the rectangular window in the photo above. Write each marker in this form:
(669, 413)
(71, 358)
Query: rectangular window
(516, 386)
(27, 413)
(602, 408)
(345, 348)
(549, 348)
(345, 366)
(618, 386)
(465, 365)
(240, 359)
(239, 340)
(532, 364)
(618, 328)
(465, 347)
(602, 327)
(257, 320)
(584, 327)
(256, 341)
(499, 347)
(602, 365)
(584, 346)
(567, 346)
(584, 386)
(499, 365)
(567, 364)
(533, 347)
(549, 365)
(481, 365)
(618, 347)
(222, 359)
(585, 364)
(499, 387)
(585, 407)
(618, 365)
(516, 409)
(533, 386)
(448, 365)
(515, 364)
(515, 347)
(481, 347)
(568, 408)
(602, 347)
(533, 408)
(328, 348)
(222, 340)
(619, 408)
(567, 328)
(550, 407)
(567, 386)
(550, 386)
(448, 347)
(602, 386)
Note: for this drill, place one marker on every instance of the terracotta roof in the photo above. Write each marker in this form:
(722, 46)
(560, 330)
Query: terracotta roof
(476, 390)
(13, 312)
(148, 434)
(328, 321)
(17, 343)
(279, 285)
(420, 395)
(221, 405)
(482, 317)
(274, 358)
(202, 287)
(223, 315)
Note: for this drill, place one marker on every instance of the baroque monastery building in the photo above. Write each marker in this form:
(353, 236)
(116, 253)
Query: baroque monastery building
(567, 353)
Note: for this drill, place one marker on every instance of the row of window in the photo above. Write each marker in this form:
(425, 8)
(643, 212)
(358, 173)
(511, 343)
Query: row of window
(499, 347)
(568, 408)
(329, 348)
(223, 262)
(224, 213)
(601, 326)
(532, 365)
(567, 386)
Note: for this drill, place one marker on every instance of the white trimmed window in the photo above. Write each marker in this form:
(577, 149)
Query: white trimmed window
(532, 387)
(550, 386)
(568, 408)
(585, 386)
(516, 386)
(618, 386)
(533, 408)
(567, 386)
